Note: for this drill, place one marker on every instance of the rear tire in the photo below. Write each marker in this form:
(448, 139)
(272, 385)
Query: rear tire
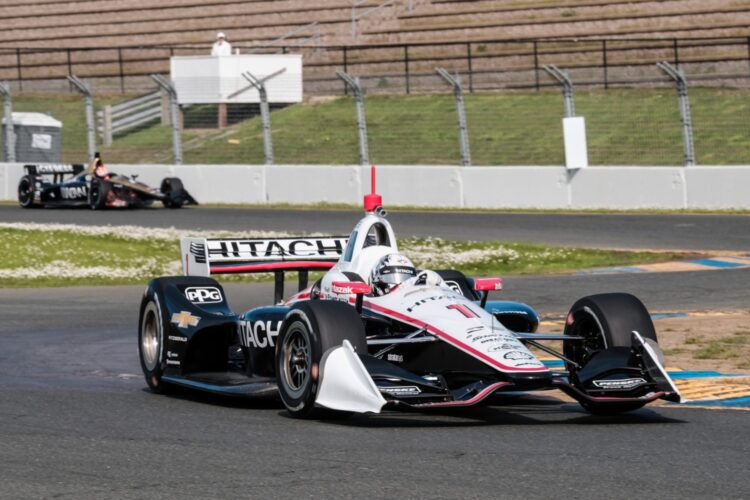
(605, 320)
(173, 192)
(151, 327)
(26, 191)
(309, 330)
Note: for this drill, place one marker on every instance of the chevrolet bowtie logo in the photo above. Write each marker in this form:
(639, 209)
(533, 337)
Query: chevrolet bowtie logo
(184, 318)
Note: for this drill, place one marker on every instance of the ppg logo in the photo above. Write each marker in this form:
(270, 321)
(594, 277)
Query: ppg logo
(203, 294)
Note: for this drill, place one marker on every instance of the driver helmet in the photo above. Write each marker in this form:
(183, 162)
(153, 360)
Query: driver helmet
(390, 271)
(101, 170)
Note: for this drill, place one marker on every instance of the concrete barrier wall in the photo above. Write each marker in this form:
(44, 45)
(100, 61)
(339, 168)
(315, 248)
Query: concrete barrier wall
(447, 186)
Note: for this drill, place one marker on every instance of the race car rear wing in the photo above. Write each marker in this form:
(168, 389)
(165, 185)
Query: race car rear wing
(58, 170)
(204, 257)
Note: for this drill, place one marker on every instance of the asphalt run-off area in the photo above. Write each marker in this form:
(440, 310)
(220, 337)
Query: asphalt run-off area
(77, 421)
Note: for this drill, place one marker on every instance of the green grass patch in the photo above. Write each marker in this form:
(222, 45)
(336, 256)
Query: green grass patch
(624, 127)
(54, 256)
(716, 350)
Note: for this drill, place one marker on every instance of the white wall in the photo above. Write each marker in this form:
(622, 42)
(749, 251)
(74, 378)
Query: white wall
(446, 186)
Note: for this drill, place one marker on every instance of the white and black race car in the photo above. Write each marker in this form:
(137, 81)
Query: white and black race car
(63, 185)
(375, 333)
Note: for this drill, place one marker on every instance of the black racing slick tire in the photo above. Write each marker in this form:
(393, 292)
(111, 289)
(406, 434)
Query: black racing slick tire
(26, 191)
(98, 193)
(308, 331)
(152, 325)
(173, 191)
(605, 321)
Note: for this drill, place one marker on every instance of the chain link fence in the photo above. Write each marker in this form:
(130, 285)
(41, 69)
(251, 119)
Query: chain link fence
(625, 126)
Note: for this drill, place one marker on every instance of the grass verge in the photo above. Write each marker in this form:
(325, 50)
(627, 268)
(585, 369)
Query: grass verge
(69, 255)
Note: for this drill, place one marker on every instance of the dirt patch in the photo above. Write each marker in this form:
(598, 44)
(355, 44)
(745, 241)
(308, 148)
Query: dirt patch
(708, 340)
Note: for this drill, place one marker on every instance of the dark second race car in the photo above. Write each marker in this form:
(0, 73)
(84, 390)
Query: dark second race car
(60, 185)
(376, 333)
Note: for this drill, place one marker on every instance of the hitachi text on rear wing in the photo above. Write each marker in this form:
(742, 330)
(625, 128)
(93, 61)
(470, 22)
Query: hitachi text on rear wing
(204, 257)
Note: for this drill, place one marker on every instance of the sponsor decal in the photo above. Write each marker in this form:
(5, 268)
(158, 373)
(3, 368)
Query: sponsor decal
(203, 294)
(406, 390)
(396, 358)
(308, 248)
(429, 299)
(73, 192)
(259, 334)
(620, 384)
(342, 289)
(171, 354)
(183, 319)
(517, 355)
(503, 347)
(173, 362)
(52, 168)
(175, 338)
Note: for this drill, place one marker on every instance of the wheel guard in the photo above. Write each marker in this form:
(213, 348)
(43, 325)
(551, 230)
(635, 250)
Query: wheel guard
(655, 368)
(345, 384)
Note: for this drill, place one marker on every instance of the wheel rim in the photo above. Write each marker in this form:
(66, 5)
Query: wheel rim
(297, 359)
(150, 338)
(24, 192)
(587, 326)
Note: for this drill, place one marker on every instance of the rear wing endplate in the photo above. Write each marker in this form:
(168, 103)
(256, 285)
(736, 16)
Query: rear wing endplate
(206, 256)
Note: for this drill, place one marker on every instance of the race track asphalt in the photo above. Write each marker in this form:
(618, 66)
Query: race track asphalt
(691, 232)
(77, 422)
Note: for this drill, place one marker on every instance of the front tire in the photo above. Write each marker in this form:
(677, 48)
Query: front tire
(172, 189)
(605, 321)
(151, 327)
(26, 191)
(308, 331)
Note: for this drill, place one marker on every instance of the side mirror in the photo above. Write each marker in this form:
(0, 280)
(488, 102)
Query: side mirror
(358, 288)
(485, 285)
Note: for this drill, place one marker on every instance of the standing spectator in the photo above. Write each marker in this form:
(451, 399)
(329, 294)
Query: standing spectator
(221, 46)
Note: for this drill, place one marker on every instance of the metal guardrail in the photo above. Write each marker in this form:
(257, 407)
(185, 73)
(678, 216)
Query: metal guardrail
(128, 115)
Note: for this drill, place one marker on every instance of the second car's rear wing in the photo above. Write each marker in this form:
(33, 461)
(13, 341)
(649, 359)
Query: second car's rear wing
(206, 256)
(58, 170)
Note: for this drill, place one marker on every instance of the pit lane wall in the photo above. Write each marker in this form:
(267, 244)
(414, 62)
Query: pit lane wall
(715, 187)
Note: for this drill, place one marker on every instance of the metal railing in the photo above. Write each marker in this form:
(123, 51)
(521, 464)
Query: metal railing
(129, 115)
(485, 64)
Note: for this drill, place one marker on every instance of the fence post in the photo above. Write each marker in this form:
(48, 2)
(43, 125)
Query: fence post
(536, 65)
(687, 123)
(18, 69)
(10, 140)
(85, 89)
(463, 130)
(604, 61)
(107, 126)
(164, 107)
(564, 79)
(122, 73)
(406, 66)
(353, 82)
(471, 70)
(174, 116)
(346, 68)
(265, 113)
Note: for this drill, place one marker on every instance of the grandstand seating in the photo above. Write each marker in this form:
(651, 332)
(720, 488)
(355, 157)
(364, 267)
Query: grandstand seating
(136, 37)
